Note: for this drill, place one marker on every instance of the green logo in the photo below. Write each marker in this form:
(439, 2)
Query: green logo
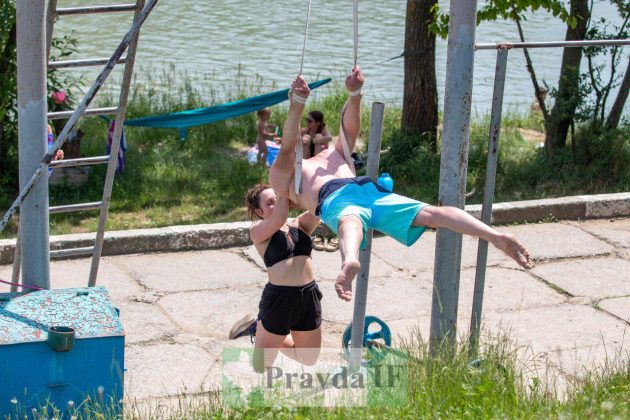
(329, 382)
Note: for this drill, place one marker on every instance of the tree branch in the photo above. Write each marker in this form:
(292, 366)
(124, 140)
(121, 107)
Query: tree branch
(615, 112)
(532, 73)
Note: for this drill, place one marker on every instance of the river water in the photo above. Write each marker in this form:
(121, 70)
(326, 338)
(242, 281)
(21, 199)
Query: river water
(261, 40)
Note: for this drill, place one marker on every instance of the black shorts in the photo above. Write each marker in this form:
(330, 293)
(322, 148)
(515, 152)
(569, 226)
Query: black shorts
(286, 308)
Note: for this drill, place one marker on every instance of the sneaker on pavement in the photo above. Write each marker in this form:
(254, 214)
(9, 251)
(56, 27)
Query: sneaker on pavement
(244, 326)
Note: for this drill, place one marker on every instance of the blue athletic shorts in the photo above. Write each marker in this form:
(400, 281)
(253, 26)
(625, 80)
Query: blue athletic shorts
(377, 208)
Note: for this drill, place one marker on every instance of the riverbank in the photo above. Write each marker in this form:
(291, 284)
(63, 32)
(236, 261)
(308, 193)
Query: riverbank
(204, 180)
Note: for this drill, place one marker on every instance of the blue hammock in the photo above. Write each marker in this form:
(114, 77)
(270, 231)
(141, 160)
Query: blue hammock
(184, 119)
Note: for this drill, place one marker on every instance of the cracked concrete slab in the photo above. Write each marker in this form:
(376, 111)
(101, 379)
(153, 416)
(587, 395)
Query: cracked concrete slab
(506, 290)
(144, 322)
(156, 370)
(614, 231)
(550, 241)
(564, 326)
(211, 313)
(596, 278)
(65, 274)
(197, 270)
(619, 307)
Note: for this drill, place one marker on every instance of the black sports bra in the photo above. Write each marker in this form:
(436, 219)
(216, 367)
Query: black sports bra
(283, 246)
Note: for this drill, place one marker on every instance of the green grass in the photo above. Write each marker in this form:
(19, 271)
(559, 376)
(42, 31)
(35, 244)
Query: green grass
(443, 385)
(448, 385)
(204, 180)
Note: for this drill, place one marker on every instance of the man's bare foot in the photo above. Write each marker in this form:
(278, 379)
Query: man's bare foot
(513, 248)
(343, 285)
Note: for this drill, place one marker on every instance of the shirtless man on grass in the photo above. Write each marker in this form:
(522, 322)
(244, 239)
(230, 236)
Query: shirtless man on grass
(350, 205)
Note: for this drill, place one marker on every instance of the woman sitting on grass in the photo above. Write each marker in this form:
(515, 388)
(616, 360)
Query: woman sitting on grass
(290, 313)
(315, 135)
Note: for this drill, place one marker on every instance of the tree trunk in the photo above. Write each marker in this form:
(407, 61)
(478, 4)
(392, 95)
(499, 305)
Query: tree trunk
(567, 98)
(620, 101)
(420, 104)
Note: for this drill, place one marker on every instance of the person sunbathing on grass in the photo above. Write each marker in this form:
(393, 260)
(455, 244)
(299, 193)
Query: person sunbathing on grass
(290, 313)
(349, 205)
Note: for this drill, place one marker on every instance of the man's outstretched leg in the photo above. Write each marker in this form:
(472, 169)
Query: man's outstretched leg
(350, 237)
(459, 221)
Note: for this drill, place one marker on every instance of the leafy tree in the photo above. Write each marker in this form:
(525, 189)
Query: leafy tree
(8, 100)
(61, 48)
(615, 112)
(573, 89)
(594, 110)
(623, 7)
(567, 96)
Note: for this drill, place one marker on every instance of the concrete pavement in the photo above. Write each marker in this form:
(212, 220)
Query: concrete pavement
(566, 314)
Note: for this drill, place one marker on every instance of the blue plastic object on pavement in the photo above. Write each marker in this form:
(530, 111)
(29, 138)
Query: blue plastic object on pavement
(386, 181)
(375, 341)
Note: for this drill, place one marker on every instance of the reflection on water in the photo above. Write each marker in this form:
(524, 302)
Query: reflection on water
(213, 40)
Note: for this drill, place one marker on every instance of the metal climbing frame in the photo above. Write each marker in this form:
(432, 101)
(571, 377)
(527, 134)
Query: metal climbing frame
(128, 43)
(493, 151)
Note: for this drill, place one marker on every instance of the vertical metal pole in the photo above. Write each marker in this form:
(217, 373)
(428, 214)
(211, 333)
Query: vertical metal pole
(361, 287)
(454, 165)
(31, 90)
(113, 153)
(488, 196)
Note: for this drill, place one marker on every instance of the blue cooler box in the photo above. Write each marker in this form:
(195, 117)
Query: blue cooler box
(40, 369)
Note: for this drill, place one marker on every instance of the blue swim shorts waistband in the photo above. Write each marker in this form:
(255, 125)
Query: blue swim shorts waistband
(336, 184)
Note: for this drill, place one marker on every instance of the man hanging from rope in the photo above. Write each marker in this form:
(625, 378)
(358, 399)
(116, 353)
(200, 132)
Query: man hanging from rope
(350, 205)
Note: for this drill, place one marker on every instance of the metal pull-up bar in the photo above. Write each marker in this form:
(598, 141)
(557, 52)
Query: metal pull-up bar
(493, 153)
(552, 44)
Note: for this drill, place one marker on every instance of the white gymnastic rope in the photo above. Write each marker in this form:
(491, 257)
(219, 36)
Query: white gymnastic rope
(308, 15)
(355, 29)
(299, 153)
(355, 35)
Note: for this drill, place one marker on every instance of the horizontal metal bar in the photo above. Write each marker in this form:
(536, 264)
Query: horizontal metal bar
(71, 163)
(75, 207)
(553, 44)
(72, 252)
(82, 63)
(65, 11)
(94, 111)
